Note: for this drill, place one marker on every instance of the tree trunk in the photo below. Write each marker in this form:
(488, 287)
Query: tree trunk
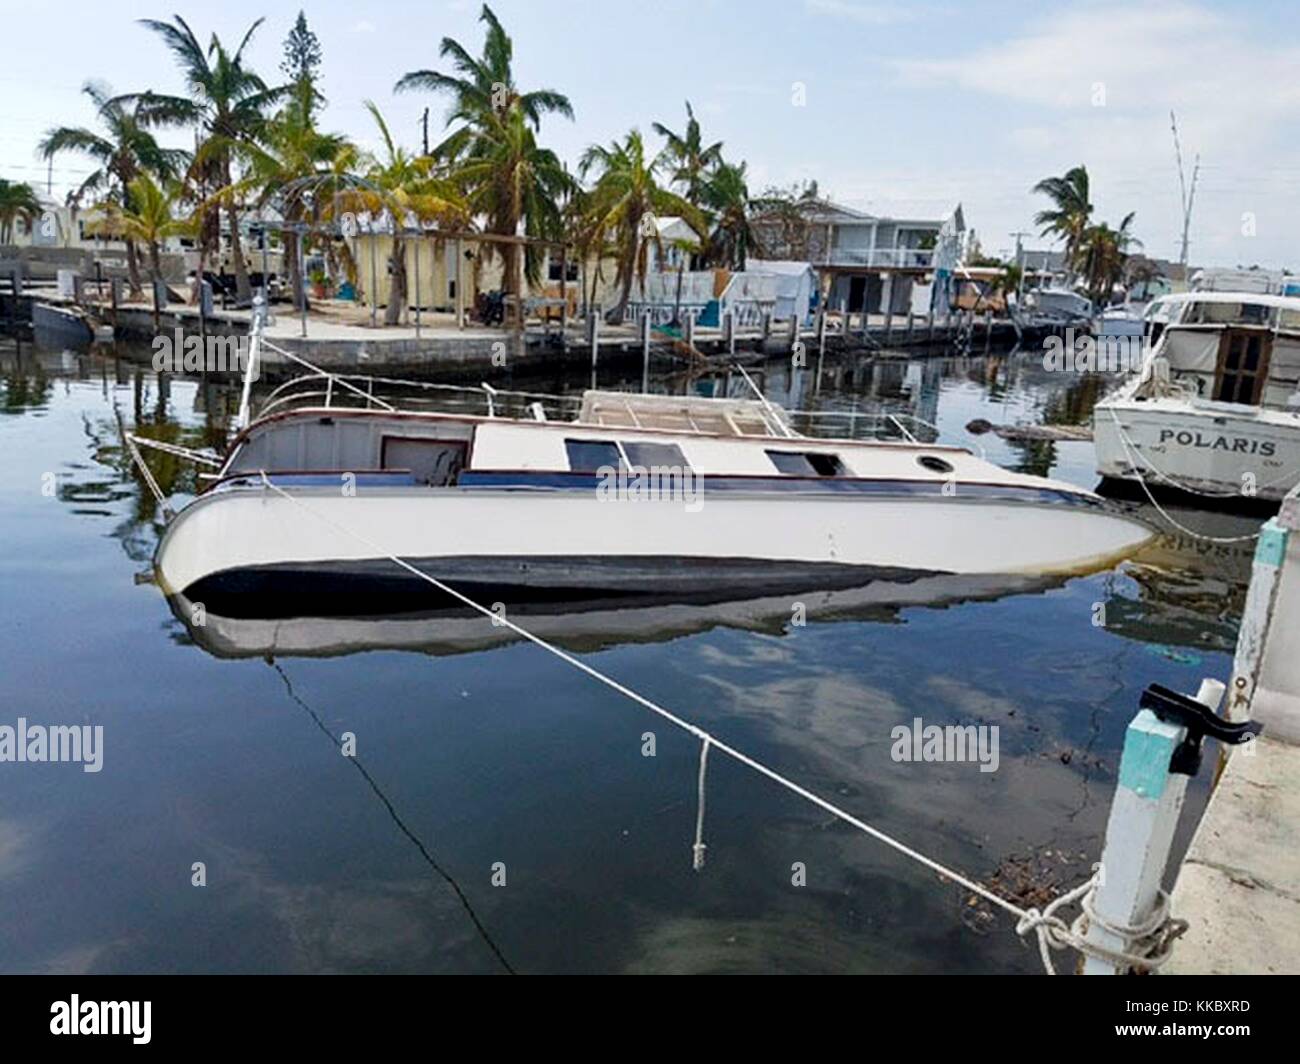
(291, 270)
(243, 290)
(625, 292)
(397, 283)
(155, 263)
(133, 270)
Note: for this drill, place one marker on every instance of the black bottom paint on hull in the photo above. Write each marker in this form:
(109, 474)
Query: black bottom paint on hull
(365, 587)
(1131, 490)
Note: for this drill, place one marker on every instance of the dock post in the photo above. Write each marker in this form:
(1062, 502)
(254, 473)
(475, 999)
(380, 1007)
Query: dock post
(1140, 831)
(887, 301)
(1257, 612)
(821, 334)
(794, 331)
(593, 338)
(645, 351)
(690, 330)
(988, 329)
(910, 324)
(729, 329)
(767, 327)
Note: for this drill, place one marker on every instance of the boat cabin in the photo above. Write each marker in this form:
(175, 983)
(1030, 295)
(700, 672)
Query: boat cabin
(1230, 347)
(729, 438)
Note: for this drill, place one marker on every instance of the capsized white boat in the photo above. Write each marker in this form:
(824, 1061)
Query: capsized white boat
(1216, 407)
(635, 493)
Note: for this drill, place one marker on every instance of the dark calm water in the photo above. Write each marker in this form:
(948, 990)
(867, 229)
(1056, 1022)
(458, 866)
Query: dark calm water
(474, 753)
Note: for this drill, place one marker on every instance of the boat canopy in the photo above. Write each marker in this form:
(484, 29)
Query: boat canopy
(675, 413)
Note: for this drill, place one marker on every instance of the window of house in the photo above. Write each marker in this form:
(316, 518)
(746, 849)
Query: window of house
(807, 463)
(589, 456)
(553, 270)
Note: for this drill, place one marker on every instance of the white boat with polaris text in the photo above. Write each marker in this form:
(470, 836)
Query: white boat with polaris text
(1215, 408)
(334, 491)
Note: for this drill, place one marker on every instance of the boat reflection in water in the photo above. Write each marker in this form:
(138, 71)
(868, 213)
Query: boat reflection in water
(1177, 591)
(583, 624)
(1190, 582)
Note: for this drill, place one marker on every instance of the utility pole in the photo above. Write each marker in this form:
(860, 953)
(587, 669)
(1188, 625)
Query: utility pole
(1020, 264)
(1188, 197)
(425, 123)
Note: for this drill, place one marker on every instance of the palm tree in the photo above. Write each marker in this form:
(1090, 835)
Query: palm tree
(17, 200)
(1103, 254)
(625, 202)
(125, 150)
(298, 171)
(228, 103)
(149, 219)
(1071, 210)
(691, 159)
(505, 175)
(726, 195)
(409, 191)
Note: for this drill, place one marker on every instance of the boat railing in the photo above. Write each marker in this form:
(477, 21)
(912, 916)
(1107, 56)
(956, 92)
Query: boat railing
(323, 389)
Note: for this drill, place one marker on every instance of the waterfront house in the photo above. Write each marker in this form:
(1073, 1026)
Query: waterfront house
(866, 259)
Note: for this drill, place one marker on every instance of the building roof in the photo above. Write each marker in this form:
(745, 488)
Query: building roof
(785, 267)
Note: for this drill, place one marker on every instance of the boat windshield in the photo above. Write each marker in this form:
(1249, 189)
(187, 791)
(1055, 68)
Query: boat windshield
(1217, 313)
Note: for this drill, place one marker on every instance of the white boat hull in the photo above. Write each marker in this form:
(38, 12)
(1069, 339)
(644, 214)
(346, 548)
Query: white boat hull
(255, 540)
(1173, 444)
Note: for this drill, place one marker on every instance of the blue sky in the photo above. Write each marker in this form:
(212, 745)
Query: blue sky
(940, 102)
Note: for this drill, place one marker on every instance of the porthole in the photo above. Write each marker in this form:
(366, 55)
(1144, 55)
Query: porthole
(934, 464)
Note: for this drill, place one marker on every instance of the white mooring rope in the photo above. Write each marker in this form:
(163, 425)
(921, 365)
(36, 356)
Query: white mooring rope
(1052, 931)
(1130, 449)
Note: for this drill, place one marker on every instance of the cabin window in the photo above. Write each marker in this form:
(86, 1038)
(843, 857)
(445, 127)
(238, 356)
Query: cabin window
(1243, 366)
(434, 463)
(650, 455)
(590, 456)
(807, 463)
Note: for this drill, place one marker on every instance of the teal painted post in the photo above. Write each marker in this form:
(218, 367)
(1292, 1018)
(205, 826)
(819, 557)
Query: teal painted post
(1140, 831)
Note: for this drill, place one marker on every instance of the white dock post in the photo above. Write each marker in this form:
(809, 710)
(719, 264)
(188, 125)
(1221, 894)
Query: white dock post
(593, 338)
(821, 334)
(1257, 613)
(645, 351)
(1140, 831)
(690, 329)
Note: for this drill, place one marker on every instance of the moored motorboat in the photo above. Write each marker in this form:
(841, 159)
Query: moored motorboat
(1215, 410)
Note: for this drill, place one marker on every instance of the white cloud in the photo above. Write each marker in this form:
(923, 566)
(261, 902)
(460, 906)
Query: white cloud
(1235, 94)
